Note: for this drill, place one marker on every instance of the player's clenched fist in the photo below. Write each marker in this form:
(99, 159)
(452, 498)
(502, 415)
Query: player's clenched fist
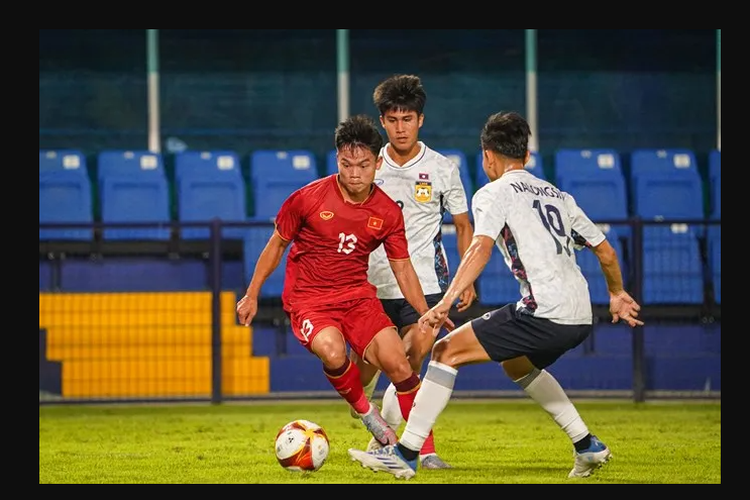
(435, 318)
(247, 308)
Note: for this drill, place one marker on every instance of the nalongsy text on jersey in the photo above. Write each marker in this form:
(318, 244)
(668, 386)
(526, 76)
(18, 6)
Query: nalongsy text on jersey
(551, 191)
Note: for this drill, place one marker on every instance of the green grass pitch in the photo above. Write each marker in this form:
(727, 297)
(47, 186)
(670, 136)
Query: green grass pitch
(486, 441)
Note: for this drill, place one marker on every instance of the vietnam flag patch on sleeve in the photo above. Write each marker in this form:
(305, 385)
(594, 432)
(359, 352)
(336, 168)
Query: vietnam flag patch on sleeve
(375, 223)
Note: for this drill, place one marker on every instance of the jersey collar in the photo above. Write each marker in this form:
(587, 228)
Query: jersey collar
(392, 164)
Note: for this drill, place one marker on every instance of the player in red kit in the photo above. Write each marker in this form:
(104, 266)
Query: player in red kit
(333, 224)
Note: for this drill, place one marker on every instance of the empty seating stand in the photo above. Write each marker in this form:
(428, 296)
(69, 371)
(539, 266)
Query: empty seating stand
(276, 174)
(666, 186)
(672, 266)
(209, 185)
(133, 188)
(64, 195)
(595, 179)
(654, 168)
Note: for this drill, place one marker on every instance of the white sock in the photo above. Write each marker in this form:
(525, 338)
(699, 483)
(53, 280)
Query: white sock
(547, 392)
(391, 410)
(431, 400)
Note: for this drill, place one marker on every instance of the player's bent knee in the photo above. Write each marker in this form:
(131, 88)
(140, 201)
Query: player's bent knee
(330, 350)
(396, 369)
(445, 353)
(518, 368)
(441, 352)
(332, 358)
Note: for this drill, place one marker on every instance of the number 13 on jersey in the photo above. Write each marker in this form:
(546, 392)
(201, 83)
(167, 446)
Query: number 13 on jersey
(347, 242)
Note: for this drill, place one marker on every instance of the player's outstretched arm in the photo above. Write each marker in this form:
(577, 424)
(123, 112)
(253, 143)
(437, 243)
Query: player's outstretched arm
(408, 282)
(269, 260)
(464, 235)
(472, 263)
(621, 305)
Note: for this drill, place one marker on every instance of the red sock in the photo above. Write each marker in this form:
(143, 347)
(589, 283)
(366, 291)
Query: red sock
(346, 382)
(406, 391)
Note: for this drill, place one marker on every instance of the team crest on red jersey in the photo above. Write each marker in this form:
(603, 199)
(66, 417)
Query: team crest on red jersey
(326, 215)
(375, 223)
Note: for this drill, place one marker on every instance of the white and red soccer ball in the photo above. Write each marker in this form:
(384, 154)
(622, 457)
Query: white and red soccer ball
(302, 446)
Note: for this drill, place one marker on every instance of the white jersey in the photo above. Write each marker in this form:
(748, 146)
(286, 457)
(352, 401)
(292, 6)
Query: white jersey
(424, 188)
(536, 227)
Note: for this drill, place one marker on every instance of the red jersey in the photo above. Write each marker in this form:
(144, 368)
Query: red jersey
(332, 240)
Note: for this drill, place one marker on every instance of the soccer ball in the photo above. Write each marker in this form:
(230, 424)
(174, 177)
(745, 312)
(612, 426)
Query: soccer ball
(301, 446)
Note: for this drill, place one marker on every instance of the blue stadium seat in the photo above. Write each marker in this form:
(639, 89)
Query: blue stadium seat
(668, 195)
(138, 199)
(65, 197)
(601, 194)
(281, 164)
(52, 160)
(662, 160)
(255, 239)
(133, 187)
(534, 166)
(206, 163)
(128, 163)
(672, 267)
(209, 185)
(586, 160)
(201, 199)
(659, 163)
(277, 174)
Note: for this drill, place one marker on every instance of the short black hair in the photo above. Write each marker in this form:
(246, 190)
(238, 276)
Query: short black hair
(400, 93)
(358, 131)
(506, 133)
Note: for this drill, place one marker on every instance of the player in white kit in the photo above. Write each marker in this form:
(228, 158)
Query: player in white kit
(536, 227)
(425, 184)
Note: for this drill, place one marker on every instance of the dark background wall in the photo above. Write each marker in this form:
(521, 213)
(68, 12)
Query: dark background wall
(253, 89)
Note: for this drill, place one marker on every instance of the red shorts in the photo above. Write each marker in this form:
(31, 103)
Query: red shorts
(358, 320)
